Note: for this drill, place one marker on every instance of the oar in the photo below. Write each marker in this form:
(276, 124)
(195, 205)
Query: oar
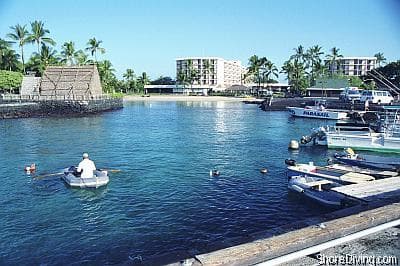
(47, 175)
(110, 170)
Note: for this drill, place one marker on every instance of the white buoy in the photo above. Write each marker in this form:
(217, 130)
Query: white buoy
(294, 145)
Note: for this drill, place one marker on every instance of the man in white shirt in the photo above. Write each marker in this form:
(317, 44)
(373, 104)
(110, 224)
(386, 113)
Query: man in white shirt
(86, 167)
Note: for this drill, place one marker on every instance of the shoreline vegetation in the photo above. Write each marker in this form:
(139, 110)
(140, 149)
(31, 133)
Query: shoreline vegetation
(302, 69)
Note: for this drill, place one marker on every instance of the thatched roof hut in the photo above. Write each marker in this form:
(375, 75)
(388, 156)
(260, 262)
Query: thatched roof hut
(71, 81)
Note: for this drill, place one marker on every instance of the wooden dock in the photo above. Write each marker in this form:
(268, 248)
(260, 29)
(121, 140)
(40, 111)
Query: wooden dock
(376, 190)
(333, 229)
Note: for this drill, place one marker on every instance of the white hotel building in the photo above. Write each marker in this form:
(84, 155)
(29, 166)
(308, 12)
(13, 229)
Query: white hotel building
(213, 73)
(353, 66)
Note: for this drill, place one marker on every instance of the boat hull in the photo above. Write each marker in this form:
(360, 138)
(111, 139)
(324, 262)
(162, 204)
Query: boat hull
(100, 178)
(332, 175)
(370, 142)
(324, 197)
(314, 113)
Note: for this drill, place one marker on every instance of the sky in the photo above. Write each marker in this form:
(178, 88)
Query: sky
(147, 35)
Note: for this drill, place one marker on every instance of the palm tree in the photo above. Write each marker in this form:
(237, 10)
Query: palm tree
(380, 58)
(94, 47)
(68, 52)
(268, 70)
(4, 47)
(38, 34)
(143, 81)
(255, 68)
(313, 55)
(10, 60)
(296, 75)
(20, 35)
(39, 61)
(107, 76)
(299, 55)
(82, 58)
(333, 60)
(129, 76)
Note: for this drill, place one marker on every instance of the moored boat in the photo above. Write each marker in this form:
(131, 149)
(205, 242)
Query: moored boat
(372, 172)
(349, 157)
(317, 111)
(99, 178)
(386, 141)
(331, 175)
(316, 189)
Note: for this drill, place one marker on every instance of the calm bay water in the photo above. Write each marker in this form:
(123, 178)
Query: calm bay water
(163, 205)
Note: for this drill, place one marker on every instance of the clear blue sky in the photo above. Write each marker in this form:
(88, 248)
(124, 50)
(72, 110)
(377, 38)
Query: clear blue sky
(147, 35)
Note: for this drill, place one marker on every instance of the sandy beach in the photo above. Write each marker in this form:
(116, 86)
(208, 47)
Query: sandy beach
(132, 98)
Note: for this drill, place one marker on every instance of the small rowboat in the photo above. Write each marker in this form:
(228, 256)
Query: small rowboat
(317, 189)
(100, 178)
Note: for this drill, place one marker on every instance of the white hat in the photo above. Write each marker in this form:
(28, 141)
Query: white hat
(85, 155)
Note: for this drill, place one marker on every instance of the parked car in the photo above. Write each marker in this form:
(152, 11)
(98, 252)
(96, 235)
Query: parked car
(378, 97)
(350, 94)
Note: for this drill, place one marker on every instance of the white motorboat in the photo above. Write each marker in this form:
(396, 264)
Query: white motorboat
(100, 178)
(317, 189)
(331, 175)
(386, 141)
(317, 111)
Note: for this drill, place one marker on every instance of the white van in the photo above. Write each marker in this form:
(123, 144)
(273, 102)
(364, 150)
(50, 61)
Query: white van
(378, 97)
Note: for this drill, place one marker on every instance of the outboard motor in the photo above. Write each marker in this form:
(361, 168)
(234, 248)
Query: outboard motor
(290, 162)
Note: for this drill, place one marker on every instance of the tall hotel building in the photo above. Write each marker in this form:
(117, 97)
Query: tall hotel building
(213, 72)
(353, 66)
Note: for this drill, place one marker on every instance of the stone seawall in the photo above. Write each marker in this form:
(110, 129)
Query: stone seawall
(57, 108)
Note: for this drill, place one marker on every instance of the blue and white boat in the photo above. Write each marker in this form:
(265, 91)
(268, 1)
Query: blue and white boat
(317, 111)
(317, 189)
(368, 161)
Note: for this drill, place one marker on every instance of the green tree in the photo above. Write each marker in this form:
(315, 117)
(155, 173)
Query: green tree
(4, 47)
(68, 53)
(313, 56)
(38, 35)
(143, 80)
(130, 82)
(163, 81)
(296, 76)
(39, 61)
(392, 72)
(333, 59)
(380, 59)
(107, 76)
(10, 60)
(269, 69)
(82, 58)
(10, 81)
(19, 34)
(94, 47)
(299, 55)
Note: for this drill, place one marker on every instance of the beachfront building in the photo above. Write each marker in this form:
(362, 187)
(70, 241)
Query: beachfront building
(211, 73)
(352, 66)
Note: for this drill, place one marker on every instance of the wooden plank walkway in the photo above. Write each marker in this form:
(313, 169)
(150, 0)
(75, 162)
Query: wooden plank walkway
(267, 249)
(373, 190)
